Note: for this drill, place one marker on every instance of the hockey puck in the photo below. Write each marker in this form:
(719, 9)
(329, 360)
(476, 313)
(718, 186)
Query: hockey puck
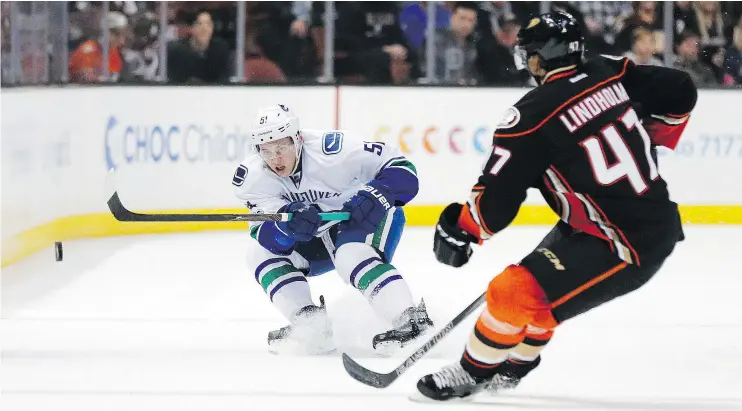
(58, 253)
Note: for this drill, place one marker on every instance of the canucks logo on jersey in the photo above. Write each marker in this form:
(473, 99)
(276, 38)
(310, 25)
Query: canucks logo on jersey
(332, 142)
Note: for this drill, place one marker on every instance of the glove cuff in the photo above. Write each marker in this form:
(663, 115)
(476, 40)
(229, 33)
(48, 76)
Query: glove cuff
(449, 222)
(381, 189)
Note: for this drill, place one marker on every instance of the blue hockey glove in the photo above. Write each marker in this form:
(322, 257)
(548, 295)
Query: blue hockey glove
(303, 224)
(368, 207)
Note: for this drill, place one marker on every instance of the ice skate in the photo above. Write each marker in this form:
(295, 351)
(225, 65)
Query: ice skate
(454, 381)
(408, 327)
(450, 382)
(310, 333)
(510, 373)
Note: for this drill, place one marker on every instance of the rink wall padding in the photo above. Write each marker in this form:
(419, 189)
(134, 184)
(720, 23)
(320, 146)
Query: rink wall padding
(175, 149)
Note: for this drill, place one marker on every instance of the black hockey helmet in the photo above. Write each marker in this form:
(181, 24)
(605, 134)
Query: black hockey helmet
(555, 37)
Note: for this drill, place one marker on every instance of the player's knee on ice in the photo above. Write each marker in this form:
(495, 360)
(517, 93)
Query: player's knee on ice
(361, 266)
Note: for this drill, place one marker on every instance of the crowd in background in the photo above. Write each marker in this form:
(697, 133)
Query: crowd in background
(380, 42)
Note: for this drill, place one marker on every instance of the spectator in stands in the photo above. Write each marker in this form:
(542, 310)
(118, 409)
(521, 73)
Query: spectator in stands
(684, 16)
(710, 23)
(687, 60)
(601, 18)
(492, 12)
(259, 68)
(496, 62)
(302, 13)
(370, 46)
(201, 57)
(645, 15)
(283, 29)
(6, 61)
(455, 48)
(141, 57)
(414, 21)
(642, 48)
(711, 29)
(86, 61)
(733, 57)
(223, 17)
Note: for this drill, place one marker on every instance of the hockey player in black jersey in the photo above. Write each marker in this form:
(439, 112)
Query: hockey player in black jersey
(586, 138)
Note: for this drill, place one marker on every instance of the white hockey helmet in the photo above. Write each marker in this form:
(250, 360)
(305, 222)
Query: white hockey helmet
(273, 123)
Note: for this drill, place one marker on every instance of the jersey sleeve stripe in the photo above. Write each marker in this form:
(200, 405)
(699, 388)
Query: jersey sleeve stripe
(468, 222)
(566, 103)
(678, 115)
(391, 160)
(670, 120)
(477, 209)
(404, 165)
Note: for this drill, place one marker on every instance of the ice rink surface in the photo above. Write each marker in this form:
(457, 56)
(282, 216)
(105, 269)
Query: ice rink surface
(176, 322)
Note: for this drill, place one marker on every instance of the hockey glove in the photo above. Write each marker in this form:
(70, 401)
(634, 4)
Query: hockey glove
(368, 207)
(451, 244)
(303, 224)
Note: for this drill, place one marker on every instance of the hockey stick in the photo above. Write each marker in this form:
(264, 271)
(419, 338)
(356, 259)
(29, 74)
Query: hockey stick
(121, 213)
(379, 380)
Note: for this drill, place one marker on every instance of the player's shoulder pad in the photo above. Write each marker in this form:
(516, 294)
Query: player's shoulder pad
(329, 142)
(523, 117)
(240, 175)
(252, 176)
(616, 64)
(251, 165)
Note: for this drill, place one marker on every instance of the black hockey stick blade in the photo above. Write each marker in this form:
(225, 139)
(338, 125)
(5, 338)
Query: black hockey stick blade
(379, 380)
(366, 376)
(121, 213)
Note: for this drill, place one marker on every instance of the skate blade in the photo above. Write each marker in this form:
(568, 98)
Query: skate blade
(388, 348)
(391, 348)
(486, 398)
(418, 397)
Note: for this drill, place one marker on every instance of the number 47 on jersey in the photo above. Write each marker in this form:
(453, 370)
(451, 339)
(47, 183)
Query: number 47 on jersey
(605, 174)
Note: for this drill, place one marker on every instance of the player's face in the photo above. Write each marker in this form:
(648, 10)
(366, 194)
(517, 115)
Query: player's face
(534, 67)
(280, 155)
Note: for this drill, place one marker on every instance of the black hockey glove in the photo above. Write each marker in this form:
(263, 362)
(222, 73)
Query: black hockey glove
(451, 244)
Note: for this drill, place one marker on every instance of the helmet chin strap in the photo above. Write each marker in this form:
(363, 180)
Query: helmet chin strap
(298, 158)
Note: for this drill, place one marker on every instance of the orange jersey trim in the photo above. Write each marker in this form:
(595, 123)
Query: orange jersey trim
(566, 103)
(467, 223)
(560, 75)
(588, 284)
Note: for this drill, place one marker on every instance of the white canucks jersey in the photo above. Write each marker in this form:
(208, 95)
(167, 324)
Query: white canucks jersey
(335, 164)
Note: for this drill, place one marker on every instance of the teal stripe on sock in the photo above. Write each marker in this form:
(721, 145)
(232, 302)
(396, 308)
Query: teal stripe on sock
(371, 275)
(271, 275)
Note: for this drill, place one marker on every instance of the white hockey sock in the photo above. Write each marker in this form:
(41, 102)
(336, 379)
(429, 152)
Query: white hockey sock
(381, 283)
(285, 285)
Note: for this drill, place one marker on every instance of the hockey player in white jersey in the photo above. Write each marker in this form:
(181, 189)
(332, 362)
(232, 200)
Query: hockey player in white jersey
(305, 172)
